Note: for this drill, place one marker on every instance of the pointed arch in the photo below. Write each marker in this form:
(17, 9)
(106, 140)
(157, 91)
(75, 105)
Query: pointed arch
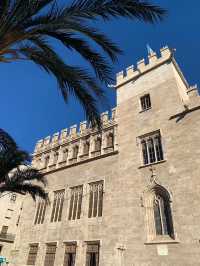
(157, 202)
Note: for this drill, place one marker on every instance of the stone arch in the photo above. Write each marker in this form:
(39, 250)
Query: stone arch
(158, 212)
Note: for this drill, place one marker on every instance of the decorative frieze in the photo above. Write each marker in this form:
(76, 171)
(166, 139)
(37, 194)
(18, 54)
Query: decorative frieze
(76, 146)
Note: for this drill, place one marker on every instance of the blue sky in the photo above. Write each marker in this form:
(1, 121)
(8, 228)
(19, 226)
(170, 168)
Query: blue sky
(31, 106)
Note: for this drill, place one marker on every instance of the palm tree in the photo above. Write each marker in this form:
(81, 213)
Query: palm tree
(16, 174)
(28, 26)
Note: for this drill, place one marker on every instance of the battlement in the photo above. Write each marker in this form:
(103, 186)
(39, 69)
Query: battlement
(71, 146)
(142, 67)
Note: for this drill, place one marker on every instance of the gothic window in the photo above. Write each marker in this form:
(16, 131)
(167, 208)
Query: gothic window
(97, 144)
(55, 159)
(110, 140)
(75, 203)
(152, 150)
(92, 256)
(50, 254)
(162, 215)
(75, 152)
(57, 208)
(33, 250)
(145, 102)
(40, 212)
(65, 154)
(46, 161)
(86, 148)
(70, 254)
(158, 214)
(96, 199)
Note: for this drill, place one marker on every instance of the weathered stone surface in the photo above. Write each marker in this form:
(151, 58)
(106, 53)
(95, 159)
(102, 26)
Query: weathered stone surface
(122, 230)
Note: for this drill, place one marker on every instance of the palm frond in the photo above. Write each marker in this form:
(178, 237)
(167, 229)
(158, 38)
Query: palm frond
(108, 9)
(15, 173)
(71, 80)
(27, 26)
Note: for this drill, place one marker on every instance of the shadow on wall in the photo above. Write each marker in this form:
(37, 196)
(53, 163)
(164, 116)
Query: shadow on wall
(181, 115)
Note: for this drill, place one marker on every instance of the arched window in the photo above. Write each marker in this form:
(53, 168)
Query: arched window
(46, 161)
(75, 152)
(65, 154)
(159, 220)
(110, 140)
(86, 148)
(56, 154)
(97, 144)
(162, 215)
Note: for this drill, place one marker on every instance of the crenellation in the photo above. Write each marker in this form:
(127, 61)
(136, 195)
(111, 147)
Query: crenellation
(83, 127)
(49, 152)
(152, 57)
(63, 135)
(193, 91)
(104, 117)
(142, 67)
(120, 77)
(129, 70)
(73, 131)
(55, 138)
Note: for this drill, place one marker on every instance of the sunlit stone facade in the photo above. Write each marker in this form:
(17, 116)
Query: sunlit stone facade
(127, 195)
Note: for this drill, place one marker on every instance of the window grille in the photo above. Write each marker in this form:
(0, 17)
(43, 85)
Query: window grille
(75, 203)
(92, 256)
(50, 254)
(32, 254)
(152, 150)
(162, 216)
(96, 199)
(40, 213)
(145, 102)
(70, 255)
(56, 214)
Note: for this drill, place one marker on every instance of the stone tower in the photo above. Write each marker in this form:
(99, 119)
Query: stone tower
(128, 195)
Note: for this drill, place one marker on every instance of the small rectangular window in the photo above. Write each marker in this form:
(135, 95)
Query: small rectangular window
(13, 197)
(70, 255)
(32, 254)
(152, 150)
(75, 203)
(50, 254)
(96, 199)
(145, 102)
(92, 256)
(58, 202)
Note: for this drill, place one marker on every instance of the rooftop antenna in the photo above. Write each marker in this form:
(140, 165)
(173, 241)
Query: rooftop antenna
(150, 51)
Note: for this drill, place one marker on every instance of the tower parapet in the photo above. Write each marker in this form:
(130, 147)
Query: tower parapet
(142, 67)
(66, 148)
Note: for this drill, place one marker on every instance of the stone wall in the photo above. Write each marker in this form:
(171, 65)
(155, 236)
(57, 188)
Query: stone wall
(123, 229)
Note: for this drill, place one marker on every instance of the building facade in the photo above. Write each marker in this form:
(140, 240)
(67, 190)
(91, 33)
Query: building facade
(127, 195)
(11, 207)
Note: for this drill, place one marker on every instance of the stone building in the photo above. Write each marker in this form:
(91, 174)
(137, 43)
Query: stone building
(10, 206)
(130, 194)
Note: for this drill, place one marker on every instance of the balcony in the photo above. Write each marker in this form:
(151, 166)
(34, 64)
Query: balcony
(7, 237)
